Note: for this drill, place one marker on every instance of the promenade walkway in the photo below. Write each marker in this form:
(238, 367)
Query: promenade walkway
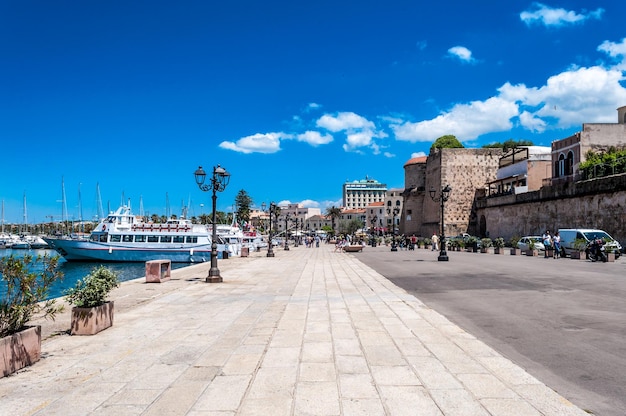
(308, 332)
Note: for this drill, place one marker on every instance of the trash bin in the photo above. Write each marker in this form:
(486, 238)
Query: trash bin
(245, 251)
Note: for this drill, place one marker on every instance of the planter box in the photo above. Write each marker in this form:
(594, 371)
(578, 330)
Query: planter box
(486, 250)
(498, 250)
(549, 253)
(532, 253)
(90, 321)
(610, 257)
(578, 255)
(516, 252)
(20, 350)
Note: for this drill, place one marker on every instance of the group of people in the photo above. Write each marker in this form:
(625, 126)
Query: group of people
(552, 242)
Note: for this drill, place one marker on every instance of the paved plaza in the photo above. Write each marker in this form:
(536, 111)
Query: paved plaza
(308, 332)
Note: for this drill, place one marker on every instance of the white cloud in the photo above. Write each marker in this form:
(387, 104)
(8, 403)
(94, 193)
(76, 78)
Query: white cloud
(550, 16)
(571, 97)
(615, 50)
(344, 121)
(462, 53)
(532, 122)
(311, 107)
(314, 138)
(465, 121)
(360, 132)
(389, 155)
(418, 154)
(257, 143)
(309, 203)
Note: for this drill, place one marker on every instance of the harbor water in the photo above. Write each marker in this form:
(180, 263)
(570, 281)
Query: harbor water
(73, 271)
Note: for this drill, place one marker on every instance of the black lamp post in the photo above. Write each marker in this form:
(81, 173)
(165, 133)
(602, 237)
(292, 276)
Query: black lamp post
(374, 220)
(444, 195)
(270, 251)
(396, 211)
(295, 239)
(219, 181)
(286, 222)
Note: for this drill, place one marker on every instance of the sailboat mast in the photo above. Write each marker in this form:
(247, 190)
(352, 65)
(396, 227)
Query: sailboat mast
(99, 202)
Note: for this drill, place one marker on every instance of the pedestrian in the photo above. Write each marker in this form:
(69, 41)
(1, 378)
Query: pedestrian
(556, 242)
(435, 241)
(547, 243)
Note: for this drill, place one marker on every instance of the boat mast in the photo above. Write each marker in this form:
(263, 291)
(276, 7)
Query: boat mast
(99, 203)
(25, 215)
(80, 210)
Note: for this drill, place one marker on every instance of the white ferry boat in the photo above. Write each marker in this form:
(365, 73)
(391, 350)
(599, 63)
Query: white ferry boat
(123, 237)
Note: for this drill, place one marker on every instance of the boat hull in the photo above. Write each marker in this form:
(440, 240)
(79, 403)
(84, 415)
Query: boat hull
(85, 250)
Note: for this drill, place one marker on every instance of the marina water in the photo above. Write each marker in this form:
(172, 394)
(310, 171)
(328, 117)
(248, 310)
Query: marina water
(73, 271)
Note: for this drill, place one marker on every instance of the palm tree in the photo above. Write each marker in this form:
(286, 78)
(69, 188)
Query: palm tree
(333, 212)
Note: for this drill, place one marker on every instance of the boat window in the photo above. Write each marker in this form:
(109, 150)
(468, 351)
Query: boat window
(103, 238)
(153, 239)
(140, 238)
(127, 238)
(178, 239)
(166, 238)
(192, 239)
(116, 238)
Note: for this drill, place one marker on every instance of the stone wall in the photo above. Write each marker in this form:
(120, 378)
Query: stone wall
(597, 203)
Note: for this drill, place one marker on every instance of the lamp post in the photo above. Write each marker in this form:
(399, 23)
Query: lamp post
(444, 195)
(270, 251)
(374, 220)
(396, 211)
(295, 239)
(219, 181)
(286, 225)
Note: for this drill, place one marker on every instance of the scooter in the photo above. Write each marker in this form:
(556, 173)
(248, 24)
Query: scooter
(595, 250)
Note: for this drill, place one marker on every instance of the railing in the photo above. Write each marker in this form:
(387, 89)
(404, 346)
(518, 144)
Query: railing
(600, 170)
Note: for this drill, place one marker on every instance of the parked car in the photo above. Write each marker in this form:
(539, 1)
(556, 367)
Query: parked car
(570, 235)
(524, 243)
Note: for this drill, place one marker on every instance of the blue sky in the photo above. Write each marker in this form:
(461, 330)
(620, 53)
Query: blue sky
(292, 98)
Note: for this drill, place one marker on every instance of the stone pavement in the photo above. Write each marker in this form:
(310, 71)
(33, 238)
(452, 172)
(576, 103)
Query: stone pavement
(308, 332)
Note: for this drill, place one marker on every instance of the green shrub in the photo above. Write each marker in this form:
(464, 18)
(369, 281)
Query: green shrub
(514, 240)
(27, 291)
(486, 242)
(93, 289)
(499, 242)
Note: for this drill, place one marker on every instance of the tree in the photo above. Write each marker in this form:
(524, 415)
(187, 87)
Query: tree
(243, 203)
(446, 142)
(333, 212)
(508, 144)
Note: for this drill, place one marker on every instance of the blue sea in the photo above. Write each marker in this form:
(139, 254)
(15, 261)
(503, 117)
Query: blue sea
(73, 271)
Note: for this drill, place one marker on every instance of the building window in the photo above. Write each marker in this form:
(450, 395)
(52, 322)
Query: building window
(569, 163)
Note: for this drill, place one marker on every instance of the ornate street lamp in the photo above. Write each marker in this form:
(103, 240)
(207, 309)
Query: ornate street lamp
(295, 239)
(444, 195)
(374, 220)
(396, 211)
(219, 181)
(286, 222)
(270, 251)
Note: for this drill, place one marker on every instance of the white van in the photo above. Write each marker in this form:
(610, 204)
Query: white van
(569, 235)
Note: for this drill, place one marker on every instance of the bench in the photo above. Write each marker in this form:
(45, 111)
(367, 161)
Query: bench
(158, 271)
(353, 248)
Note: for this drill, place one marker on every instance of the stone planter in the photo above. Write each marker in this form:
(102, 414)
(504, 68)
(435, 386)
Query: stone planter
(549, 252)
(532, 253)
(20, 350)
(498, 250)
(486, 250)
(610, 257)
(516, 251)
(90, 321)
(578, 255)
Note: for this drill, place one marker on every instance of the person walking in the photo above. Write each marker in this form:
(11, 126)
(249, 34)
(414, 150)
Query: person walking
(556, 242)
(435, 241)
(547, 243)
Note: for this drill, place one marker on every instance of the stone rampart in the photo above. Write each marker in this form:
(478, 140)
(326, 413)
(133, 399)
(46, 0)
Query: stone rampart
(598, 203)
